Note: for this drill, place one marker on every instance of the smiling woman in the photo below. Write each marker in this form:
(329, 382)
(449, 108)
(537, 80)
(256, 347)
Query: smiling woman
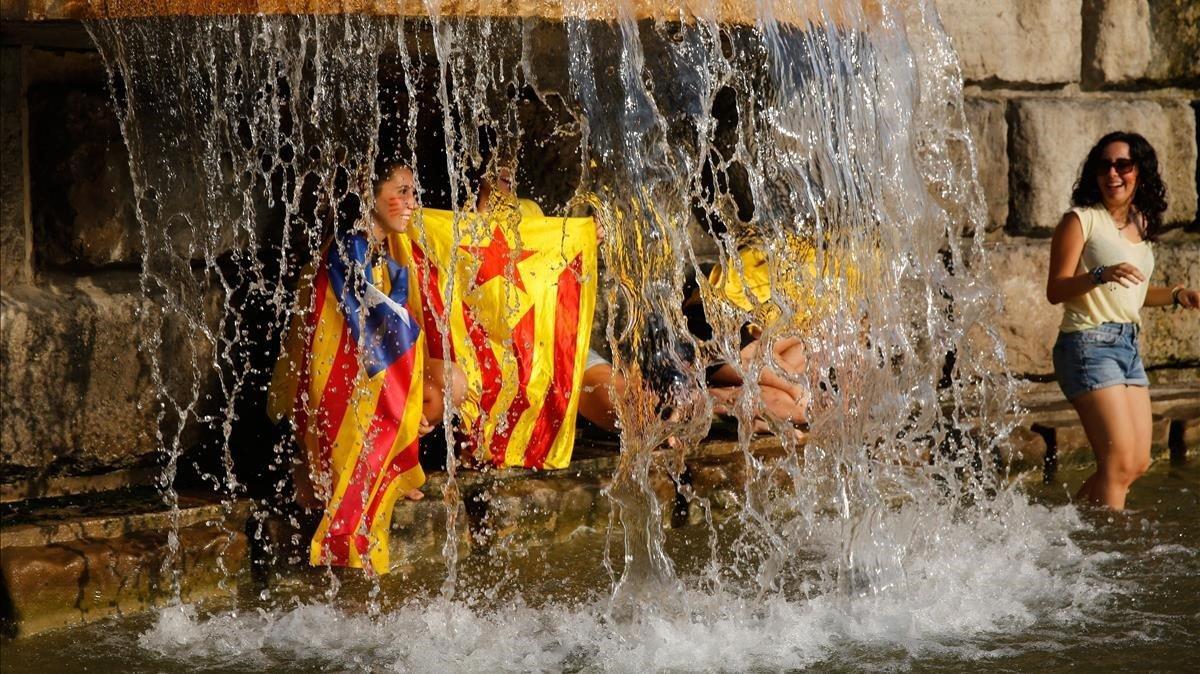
(1101, 261)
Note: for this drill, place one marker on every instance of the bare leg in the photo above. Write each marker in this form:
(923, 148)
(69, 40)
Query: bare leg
(596, 401)
(786, 399)
(783, 399)
(1117, 422)
(433, 407)
(433, 404)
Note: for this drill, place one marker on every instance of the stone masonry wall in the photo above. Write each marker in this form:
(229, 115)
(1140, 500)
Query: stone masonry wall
(76, 392)
(1044, 81)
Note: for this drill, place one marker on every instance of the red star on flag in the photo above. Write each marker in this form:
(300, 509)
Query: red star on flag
(495, 258)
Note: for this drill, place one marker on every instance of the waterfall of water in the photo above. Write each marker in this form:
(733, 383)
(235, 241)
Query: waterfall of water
(829, 136)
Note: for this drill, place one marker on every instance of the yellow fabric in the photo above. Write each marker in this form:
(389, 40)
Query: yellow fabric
(748, 284)
(1109, 302)
(543, 249)
(353, 439)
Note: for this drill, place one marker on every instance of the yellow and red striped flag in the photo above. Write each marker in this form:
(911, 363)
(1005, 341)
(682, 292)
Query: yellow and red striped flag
(350, 379)
(519, 316)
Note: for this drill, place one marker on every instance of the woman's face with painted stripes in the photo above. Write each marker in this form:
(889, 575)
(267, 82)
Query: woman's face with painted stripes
(396, 200)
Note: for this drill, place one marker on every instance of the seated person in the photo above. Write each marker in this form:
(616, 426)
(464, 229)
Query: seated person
(357, 380)
(395, 204)
(783, 397)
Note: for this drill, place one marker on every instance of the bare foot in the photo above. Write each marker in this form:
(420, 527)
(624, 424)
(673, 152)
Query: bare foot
(414, 495)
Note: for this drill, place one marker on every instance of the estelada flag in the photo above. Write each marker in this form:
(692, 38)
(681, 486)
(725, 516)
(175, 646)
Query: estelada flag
(517, 291)
(350, 379)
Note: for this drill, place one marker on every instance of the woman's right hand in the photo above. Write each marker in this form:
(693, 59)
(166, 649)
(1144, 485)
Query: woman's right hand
(1124, 273)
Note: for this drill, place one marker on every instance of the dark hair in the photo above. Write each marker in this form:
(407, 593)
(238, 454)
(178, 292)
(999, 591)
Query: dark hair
(1150, 197)
(385, 167)
(349, 204)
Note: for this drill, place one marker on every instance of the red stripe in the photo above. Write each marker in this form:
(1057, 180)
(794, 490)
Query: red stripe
(407, 458)
(431, 301)
(385, 424)
(489, 371)
(331, 407)
(337, 550)
(522, 340)
(404, 461)
(566, 344)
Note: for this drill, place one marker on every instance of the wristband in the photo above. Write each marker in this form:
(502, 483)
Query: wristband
(1098, 275)
(1175, 295)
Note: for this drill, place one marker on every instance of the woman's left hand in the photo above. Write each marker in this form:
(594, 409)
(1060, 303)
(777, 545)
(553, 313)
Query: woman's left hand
(1189, 299)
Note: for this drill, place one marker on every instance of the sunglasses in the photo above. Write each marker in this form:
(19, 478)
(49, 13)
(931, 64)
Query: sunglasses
(1124, 166)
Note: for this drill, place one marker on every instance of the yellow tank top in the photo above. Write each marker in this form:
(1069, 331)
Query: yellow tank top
(1103, 244)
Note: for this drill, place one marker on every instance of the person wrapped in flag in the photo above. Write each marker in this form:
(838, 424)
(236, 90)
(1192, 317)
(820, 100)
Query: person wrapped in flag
(357, 382)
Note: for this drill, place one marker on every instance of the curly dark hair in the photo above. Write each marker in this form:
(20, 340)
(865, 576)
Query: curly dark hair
(1150, 199)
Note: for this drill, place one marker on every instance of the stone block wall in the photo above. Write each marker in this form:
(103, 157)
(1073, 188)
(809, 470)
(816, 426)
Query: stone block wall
(1044, 80)
(76, 392)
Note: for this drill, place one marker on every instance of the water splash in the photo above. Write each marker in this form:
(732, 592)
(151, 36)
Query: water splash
(834, 144)
(967, 588)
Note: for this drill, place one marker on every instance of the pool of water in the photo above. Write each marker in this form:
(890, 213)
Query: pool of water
(1051, 587)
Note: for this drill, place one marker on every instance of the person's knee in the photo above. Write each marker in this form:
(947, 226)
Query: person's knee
(794, 359)
(1126, 469)
(458, 385)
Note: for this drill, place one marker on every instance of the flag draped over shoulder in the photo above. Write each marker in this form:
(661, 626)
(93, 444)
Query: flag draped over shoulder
(522, 293)
(350, 378)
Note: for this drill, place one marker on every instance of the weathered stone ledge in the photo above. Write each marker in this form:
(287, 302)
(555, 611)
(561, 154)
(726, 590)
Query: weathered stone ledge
(76, 561)
(1050, 434)
(66, 564)
(111, 516)
(73, 485)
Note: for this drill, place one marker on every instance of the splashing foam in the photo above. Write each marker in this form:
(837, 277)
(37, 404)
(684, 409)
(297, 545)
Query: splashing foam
(975, 578)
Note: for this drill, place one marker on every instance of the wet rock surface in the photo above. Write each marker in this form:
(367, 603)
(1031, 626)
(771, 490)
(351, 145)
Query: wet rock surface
(15, 241)
(78, 397)
(84, 210)
(72, 563)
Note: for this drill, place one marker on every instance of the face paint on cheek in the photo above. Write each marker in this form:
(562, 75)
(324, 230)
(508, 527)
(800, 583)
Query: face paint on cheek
(394, 207)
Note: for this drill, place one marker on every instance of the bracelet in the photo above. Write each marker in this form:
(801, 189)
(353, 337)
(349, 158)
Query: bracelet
(1175, 295)
(1098, 275)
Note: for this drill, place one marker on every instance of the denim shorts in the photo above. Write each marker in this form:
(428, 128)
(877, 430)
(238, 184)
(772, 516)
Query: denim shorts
(1106, 355)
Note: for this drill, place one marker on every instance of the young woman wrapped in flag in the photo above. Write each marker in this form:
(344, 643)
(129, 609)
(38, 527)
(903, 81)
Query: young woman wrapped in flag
(357, 382)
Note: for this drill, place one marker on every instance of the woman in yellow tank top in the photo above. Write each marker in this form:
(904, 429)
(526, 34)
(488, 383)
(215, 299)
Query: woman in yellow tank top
(1101, 261)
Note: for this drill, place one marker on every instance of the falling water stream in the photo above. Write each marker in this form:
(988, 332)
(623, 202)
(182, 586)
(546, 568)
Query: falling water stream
(826, 130)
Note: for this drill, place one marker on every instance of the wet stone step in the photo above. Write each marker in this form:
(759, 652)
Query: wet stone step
(1051, 435)
(76, 561)
(94, 556)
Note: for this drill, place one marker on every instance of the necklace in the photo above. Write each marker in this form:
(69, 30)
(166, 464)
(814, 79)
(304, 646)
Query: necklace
(1131, 218)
